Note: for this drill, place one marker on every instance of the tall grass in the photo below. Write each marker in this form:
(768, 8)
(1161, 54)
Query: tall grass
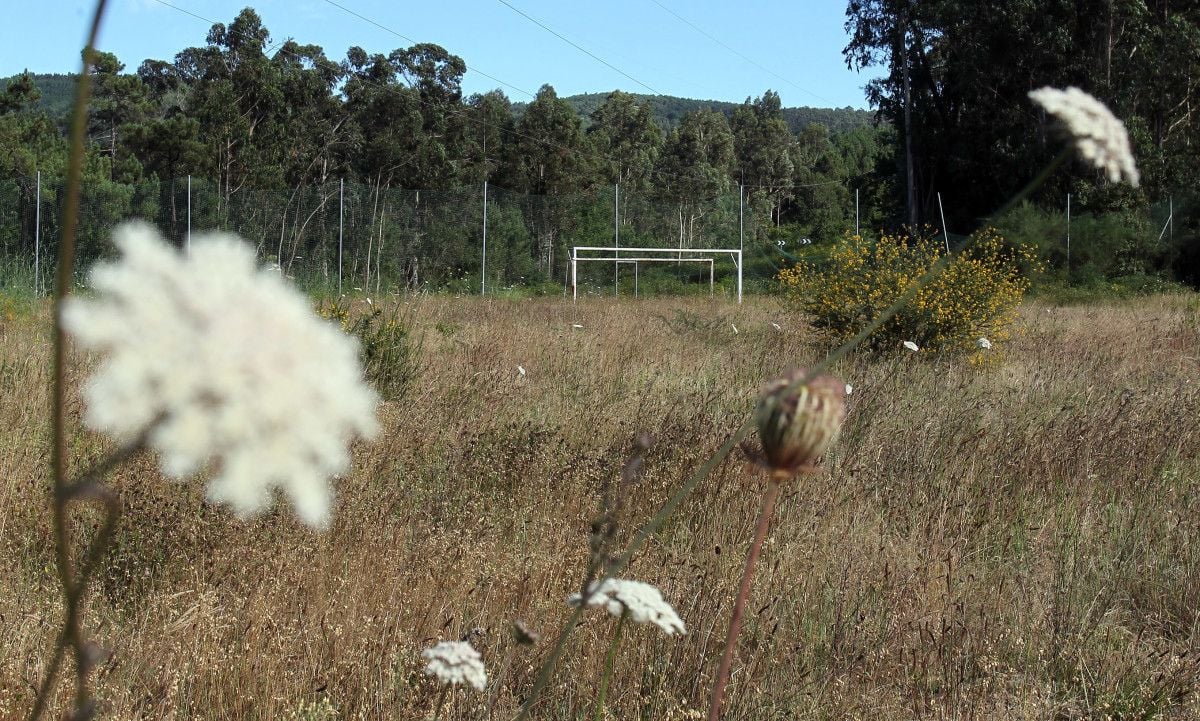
(1017, 542)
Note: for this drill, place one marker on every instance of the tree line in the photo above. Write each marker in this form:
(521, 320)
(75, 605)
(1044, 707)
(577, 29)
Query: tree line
(956, 77)
(952, 119)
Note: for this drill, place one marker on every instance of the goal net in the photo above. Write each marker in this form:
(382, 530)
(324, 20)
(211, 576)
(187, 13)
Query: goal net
(636, 257)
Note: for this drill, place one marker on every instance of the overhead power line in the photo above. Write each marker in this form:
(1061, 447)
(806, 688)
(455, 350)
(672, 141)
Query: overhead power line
(718, 41)
(405, 38)
(575, 45)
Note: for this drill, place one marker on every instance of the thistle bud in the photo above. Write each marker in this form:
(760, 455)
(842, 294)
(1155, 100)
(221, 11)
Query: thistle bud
(797, 423)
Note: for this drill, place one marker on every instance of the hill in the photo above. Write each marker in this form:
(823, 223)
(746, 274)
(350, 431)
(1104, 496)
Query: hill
(58, 93)
(668, 110)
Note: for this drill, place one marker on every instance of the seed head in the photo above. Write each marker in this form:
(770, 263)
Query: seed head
(797, 424)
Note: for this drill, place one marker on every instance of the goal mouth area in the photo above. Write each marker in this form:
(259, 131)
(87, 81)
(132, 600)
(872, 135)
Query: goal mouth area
(652, 255)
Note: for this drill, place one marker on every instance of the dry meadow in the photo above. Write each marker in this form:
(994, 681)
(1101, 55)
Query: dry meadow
(1017, 540)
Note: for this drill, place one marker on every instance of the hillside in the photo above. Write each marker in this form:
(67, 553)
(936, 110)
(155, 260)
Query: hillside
(58, 92)
(669, 110)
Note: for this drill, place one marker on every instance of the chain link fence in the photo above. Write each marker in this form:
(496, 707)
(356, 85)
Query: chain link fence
(352, 237)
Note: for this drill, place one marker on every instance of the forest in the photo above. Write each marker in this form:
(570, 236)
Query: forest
(268, 132)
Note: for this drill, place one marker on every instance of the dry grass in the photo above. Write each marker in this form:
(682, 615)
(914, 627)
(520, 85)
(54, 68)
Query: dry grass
(1018, 542)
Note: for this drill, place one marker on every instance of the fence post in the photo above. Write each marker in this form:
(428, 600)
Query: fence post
(483, 272)
(741, 218)
(341, 226)
(856, 229)
(945, 232)
(1068, 236)
(37, 239)
(189, 215)
(617, 238)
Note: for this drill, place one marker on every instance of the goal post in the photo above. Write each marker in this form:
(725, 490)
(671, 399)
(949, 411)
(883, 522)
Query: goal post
(613, 254)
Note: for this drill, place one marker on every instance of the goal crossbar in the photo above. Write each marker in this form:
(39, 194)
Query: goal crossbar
(674, 257)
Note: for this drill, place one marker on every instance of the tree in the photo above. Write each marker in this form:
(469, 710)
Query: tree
(626, 140)
(696, 164)
(763, 145)
(118, 101)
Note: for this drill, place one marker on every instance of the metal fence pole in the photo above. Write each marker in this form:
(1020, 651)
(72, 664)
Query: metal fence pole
(1068, 233)
(483, 272)
(856, 228)
(741, 217)
(37, 239)
(341, 226)
(617, 237)
(189, 215)
(945, 232)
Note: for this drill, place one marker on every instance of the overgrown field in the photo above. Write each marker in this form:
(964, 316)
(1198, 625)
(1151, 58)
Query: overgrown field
(1014, 541)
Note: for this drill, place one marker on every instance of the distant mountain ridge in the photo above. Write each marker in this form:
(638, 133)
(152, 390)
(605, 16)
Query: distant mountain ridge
(58, 93)
(668, 111)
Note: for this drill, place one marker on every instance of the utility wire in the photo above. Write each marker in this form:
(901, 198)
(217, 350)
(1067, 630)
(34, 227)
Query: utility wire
(385, 28)
(578, 47)
(462, 112)
(716, 40)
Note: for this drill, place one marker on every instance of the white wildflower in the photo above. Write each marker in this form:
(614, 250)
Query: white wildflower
(983, 343)
(1099, 136)
(215, 360)
(521, 371)
(641, 601)
(456, 662)
(849, 389)
(911, 346)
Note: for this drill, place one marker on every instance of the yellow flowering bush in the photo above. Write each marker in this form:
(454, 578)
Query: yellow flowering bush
(975, 296)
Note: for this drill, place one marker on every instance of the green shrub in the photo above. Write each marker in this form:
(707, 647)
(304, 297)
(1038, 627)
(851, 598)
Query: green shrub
(975, 296)
(390, 352)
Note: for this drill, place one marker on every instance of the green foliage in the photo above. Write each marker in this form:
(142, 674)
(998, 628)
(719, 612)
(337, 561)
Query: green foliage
(668, 111)
(391, 353)
(976, 294)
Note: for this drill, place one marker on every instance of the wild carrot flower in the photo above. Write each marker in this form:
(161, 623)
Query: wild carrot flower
(455, 662)
(797, 424)
(1099, 136)
(642, 602)
(215, 360)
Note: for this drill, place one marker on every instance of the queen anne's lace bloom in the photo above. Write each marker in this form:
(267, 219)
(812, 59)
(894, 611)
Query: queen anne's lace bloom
(215, 360)
(1099, 136)
(455, 662)
(642, 602)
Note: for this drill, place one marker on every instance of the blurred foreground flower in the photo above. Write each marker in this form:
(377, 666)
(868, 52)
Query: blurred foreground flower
(797, 424)
(216, 360)
(642, 602)
(455, 662)
(1099, 136)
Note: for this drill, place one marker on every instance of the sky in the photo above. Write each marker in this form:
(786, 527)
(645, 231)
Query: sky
(704, 49)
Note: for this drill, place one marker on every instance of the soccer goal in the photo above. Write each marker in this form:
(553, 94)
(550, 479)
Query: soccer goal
(613, 254)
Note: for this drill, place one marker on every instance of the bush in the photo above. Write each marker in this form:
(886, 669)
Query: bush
(976, 295)
(390, 354)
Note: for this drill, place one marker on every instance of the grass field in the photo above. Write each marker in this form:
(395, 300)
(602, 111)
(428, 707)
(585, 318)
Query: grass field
(1019, 541)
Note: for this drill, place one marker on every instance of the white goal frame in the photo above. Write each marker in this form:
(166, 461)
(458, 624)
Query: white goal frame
(676, 256)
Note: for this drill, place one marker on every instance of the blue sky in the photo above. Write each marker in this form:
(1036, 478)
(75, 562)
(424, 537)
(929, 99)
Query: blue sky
(791, 47)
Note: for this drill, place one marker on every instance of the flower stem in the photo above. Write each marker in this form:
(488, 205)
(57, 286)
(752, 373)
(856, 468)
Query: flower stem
(609, 663)
(735, 622)
(441, 700)
(72, 587)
